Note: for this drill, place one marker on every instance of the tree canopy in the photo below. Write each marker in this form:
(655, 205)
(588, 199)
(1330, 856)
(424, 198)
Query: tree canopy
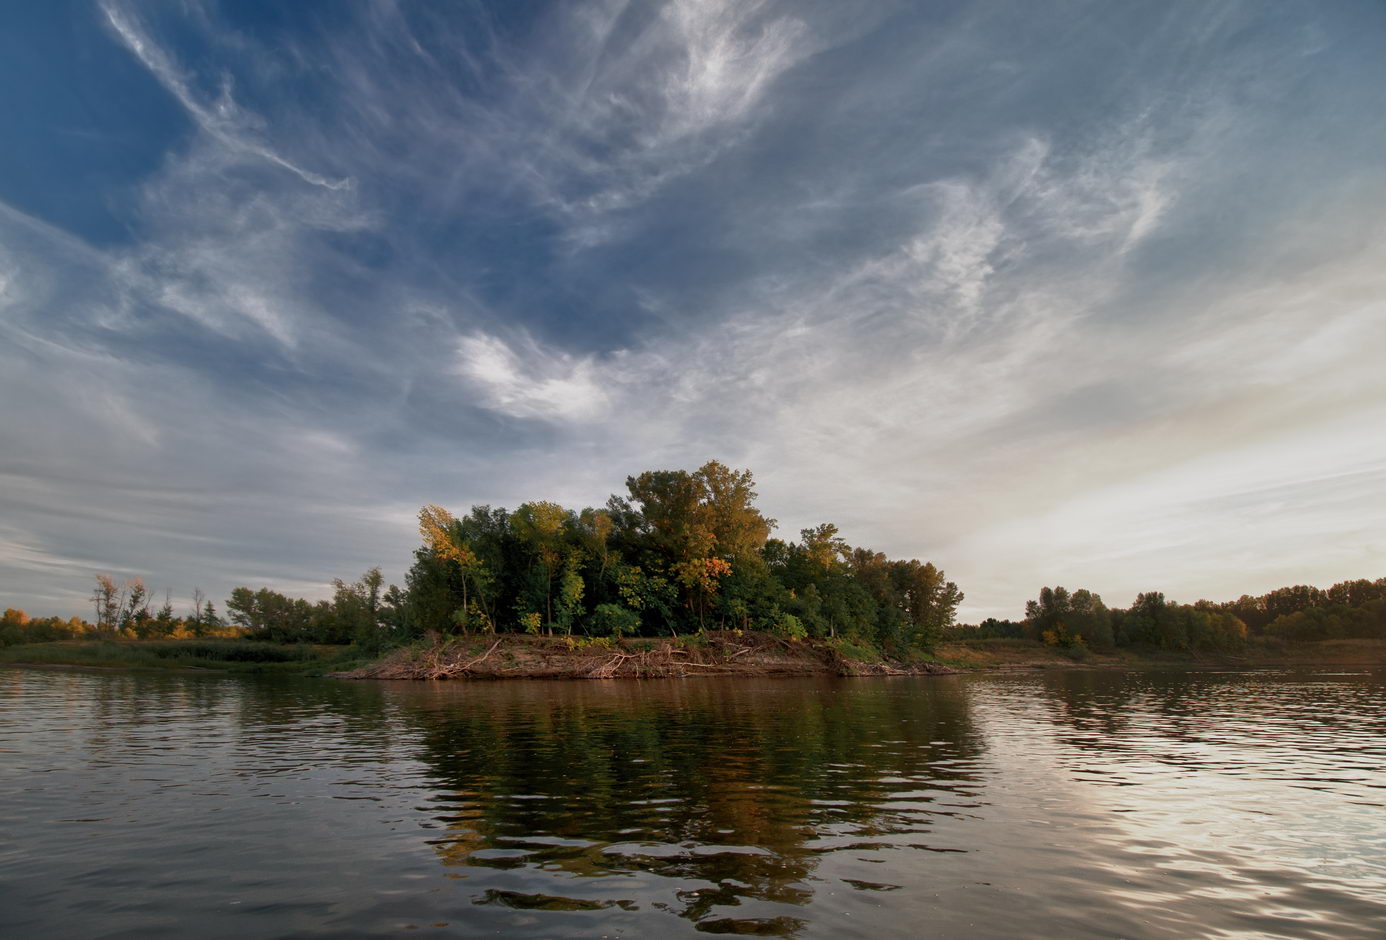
(680, 551)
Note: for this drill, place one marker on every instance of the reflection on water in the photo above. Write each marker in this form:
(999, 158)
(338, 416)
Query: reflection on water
(1074, 803)
(709, 800)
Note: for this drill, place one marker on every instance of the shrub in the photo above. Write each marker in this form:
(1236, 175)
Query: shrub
(614, 620)
(790, 626)
(230, 651)
(852, 650)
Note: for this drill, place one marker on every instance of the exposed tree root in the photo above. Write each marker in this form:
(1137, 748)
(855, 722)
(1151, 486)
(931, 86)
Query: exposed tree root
(512, 656)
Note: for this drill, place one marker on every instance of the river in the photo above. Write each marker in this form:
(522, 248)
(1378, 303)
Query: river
(1062, 803)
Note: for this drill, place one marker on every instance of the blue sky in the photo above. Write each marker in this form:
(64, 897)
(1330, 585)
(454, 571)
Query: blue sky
(1071, 293)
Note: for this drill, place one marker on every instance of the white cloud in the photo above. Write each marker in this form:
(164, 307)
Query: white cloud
(532, 383)
(589, 125)
(728, 54)
(223, 119)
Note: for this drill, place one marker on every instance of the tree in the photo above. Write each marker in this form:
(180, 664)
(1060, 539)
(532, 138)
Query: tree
(570, 591)
(164, 623)
(209, 621)
(927, 600)
(1152, 621)
(1358, 593)
(243, 609)
(699, 577)
(539, 527)
(738, 529)
(13, 627)
(194, 619)
(356, 610)
(135, 610)
(109, 601)
(445, 538)
(595, 527)
(671, 525)
(653, 597)
(1090, 619)
(825, 550)
(393, 612)
(430, 596)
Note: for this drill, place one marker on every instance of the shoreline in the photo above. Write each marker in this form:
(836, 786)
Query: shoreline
(719, 654)
(723, 654)
(1020, 655)
(97, 667)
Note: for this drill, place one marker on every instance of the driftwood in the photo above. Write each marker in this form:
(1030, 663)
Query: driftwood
(437, 668)
(483, 656)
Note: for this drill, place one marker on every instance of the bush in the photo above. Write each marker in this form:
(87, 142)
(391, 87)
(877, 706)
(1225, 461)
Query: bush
(790, 626)
(230, 651)
(590, 642)
(853, 650)
(614, 620)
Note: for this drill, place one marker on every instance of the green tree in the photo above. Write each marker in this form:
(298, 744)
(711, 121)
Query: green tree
(356, 610)
(1089, 618)
(539, 526)
(738, 529)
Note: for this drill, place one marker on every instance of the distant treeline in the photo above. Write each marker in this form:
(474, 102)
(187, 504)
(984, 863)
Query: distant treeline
(1347, 610)
(123, 611)
(683, 552)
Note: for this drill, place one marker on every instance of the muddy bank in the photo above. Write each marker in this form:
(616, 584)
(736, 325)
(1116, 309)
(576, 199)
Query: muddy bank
(511, 656)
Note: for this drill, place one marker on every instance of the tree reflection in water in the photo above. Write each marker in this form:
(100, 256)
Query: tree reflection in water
(699, 798)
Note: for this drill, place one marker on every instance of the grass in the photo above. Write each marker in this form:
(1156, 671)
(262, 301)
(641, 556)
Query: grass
(861, 650)
(242, 656)
(994, 642)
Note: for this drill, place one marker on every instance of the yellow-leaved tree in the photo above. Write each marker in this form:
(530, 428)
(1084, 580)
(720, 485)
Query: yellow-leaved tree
(442, 534)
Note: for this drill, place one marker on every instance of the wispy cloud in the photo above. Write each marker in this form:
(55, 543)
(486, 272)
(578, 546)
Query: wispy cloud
(221, 118)
(726, 56)
(536, 384)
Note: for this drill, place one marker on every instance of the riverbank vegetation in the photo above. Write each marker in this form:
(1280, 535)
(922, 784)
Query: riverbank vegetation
(222, 655)
(682, 554)
(1078, 621)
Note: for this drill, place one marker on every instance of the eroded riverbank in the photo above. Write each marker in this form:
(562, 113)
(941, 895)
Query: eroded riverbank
(512, 656)
(721, 653)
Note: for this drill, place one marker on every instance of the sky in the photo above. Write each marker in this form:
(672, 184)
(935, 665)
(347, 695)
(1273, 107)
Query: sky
(1072, 293)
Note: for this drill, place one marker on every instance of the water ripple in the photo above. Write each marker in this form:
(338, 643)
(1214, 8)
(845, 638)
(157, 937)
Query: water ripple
(1076, 803)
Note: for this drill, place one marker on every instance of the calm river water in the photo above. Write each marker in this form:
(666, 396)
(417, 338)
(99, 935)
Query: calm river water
(1072, 803)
